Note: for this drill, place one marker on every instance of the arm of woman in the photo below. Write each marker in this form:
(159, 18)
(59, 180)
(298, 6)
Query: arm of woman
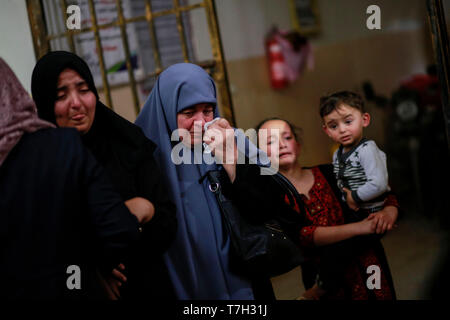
(328, 235)
(378, 223)
(113, 225)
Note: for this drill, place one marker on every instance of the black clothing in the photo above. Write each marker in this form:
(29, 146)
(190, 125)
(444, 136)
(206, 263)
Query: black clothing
(57, 209)
(259, 198)
(127, 156)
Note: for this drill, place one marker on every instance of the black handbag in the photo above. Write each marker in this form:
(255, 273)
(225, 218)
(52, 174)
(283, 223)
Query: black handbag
(258, 249)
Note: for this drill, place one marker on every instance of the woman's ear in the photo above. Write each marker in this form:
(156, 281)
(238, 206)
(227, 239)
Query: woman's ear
(366, 119)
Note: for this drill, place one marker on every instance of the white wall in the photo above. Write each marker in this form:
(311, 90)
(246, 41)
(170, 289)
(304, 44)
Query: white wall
(16, 44)
(244, 23)
(346, 20)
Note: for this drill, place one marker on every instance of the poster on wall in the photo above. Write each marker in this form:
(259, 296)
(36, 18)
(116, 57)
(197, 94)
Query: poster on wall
(305, 17)
(139, 41)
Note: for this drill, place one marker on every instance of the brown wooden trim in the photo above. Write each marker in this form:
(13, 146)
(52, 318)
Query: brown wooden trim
(439, 37)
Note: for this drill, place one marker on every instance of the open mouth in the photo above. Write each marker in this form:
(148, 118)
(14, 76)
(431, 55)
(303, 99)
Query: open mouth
(282, 155)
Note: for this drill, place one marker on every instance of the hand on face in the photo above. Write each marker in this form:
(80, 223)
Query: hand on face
(220, 139)
(75, 102)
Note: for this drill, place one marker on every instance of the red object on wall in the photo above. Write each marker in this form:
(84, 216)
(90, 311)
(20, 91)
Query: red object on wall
(277, 64)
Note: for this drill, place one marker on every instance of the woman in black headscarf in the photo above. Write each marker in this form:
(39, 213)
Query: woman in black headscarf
(64, 91)
(60, 219)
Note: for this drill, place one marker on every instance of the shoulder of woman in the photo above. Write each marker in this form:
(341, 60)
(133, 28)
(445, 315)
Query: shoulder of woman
(56, 143)
(61, 136)
(123, 131)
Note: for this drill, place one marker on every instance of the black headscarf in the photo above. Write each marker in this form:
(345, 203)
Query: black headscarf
(117, 144)
(45, 78)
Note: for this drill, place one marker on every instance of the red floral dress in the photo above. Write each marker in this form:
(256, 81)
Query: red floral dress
(324, 209)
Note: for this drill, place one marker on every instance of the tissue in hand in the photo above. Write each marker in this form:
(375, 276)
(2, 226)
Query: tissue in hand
(206, 148)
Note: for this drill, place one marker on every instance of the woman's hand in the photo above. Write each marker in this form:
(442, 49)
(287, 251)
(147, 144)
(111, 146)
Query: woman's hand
(385, 219)
(143, 209)
(112, 283)
(220, 139)
(367, 226)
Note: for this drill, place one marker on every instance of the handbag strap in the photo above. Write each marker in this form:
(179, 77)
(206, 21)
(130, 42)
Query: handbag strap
(291, 190)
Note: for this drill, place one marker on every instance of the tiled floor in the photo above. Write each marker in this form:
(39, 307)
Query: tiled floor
(413, 250)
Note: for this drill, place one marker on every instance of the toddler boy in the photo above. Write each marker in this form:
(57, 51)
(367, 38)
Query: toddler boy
(359, 165)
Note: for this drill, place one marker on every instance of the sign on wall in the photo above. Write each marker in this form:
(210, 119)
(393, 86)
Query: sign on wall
(139, 41)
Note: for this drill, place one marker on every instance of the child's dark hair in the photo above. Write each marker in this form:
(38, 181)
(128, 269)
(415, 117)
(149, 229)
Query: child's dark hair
(333, 101)
(296, 131)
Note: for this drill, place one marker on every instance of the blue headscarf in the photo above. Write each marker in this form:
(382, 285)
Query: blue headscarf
(198, 260)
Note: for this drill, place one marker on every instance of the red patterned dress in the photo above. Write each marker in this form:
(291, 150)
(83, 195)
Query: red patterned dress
(324, 209)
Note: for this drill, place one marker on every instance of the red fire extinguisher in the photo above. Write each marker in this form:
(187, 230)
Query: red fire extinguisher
(277, 65)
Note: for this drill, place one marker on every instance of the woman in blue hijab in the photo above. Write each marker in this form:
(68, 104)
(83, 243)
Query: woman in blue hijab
(184, 97)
